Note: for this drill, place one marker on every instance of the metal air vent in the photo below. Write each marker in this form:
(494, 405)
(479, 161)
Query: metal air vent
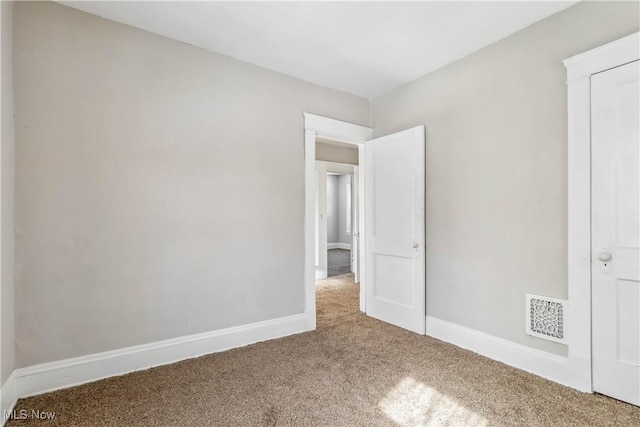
(545, 318)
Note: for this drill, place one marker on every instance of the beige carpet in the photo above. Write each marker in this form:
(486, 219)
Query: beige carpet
(352, 370)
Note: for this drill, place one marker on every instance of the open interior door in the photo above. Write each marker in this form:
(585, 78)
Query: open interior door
(355, 228)
(321, 223)
(394, 229)
(615, 231)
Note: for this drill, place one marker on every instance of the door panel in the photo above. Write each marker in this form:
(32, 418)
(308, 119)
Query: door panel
(321, 221)
(317, 217)
(394, 227)
(627, 316)
(615, 112)
(390, 270)
(355, 227)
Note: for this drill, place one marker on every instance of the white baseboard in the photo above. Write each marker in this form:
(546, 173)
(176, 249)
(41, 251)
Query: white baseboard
(310, 313)
(61, 374)
(547, 365)
(8, 397)
(339, 246)
(321, 274)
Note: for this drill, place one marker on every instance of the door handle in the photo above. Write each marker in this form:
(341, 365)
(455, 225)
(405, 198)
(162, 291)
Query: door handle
(604, 256)
(416, 245)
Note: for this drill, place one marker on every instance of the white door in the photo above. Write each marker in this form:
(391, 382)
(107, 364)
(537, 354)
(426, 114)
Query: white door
(615, 220)
(394, 227)
(355, 247)
(359, 181)
(321, 222)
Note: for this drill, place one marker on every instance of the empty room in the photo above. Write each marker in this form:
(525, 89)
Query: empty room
(320, 213)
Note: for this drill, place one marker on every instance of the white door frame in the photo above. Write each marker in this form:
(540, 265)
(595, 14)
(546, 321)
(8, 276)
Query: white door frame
(318, 126)
(579, 71)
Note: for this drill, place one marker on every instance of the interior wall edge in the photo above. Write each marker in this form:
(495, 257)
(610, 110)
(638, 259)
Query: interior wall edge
(8, 397)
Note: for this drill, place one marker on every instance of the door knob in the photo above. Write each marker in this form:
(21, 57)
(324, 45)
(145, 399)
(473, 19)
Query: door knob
(604, 256)
(416, 245)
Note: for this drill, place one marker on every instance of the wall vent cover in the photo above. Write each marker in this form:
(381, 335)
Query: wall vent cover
(545, 318)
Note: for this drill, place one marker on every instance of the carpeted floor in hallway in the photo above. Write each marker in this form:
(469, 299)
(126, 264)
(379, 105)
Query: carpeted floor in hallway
(352, 371)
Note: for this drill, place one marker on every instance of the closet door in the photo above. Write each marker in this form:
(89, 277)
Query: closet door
(615, 159)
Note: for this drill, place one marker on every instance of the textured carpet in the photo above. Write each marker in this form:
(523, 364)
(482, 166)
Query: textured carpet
(338, 262)
(353, 370)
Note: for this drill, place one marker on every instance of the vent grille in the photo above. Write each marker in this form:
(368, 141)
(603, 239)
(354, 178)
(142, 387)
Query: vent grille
(545, 318)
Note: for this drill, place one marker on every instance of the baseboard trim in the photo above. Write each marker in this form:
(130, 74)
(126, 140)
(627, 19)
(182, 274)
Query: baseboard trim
(346, 246)
(547, 365)
(66, 373)
(8, 397)
(321, 274)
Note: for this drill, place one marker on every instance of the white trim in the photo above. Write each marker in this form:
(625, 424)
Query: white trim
(66, 373)
(335, 167)
(325, 127)
(547, 365)
(610, 55)
(579, 71)
(8, 397)
(320, 244)
(346, 246)
(309, 227)
(318, 126)
(361, 235)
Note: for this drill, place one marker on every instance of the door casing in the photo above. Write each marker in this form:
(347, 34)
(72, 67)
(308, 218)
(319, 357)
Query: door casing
(318, 126)
(580, 68)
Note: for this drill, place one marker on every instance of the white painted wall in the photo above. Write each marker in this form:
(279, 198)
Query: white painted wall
(333, 204)
(496, 198)
(159, 187)
(7, 342)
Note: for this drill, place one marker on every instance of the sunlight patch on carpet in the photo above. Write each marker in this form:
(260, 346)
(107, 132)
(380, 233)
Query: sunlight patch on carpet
(413, 403)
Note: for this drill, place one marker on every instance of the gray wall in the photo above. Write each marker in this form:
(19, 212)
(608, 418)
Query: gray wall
(334, 153)
(496, 168)
(7, 345)
(159, 187)
(343, 237)
(333, 218)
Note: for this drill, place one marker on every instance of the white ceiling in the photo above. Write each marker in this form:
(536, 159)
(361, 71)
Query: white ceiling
(364, 48)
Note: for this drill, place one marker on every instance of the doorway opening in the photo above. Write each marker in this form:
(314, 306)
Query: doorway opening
(337, 290)
(327, 142)
(337, 230)
(389, 247)
(339, 214)
(337, 248)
